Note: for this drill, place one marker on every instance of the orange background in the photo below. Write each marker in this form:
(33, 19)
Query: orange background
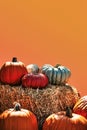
(46, 31)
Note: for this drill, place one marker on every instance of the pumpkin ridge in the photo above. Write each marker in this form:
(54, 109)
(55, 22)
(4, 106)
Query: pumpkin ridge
(60, 76)
(52, 75)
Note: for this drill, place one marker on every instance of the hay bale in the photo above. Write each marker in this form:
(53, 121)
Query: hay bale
(42, 102)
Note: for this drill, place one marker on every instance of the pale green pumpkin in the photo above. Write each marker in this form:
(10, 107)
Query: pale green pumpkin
(32, 68)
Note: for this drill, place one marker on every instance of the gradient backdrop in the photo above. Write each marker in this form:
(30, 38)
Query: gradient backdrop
(46, 31)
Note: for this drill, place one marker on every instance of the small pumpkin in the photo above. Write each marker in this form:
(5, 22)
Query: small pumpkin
(12, 72)
(81, 106)
(65, 121)
(18, 119)
(56, 75)
(38, 80)
(32, 68)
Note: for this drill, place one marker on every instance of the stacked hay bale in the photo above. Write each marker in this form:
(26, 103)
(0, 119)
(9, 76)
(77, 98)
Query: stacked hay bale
(42, 102)
(54, 97)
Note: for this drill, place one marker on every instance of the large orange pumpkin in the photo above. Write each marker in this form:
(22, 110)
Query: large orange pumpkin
(81, 106)
(18, 119)
(12, 71)
(65, 121)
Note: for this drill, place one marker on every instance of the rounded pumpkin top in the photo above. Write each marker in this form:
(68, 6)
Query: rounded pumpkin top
(17, 118)
(14, 62)
(16, 111)
(63, 120)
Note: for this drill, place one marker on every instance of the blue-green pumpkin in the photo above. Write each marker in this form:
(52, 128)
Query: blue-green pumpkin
(56, 74)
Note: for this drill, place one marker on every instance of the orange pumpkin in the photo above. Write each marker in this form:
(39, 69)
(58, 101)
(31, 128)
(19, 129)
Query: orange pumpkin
(65, 121)
(81, 106)
(12, 72)
(18, 119)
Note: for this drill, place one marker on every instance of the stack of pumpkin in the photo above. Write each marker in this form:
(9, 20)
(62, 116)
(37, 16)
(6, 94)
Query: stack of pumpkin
(43, 92)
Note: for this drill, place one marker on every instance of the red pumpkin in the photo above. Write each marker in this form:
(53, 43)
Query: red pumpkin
(18, 119)
(38, 80)
(81, 106)
(12, 72)
(65, 121)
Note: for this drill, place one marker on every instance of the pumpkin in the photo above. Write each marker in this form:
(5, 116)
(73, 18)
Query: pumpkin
(35, 80)
(32, 68)
(81, 106)
(12, 72)
(65, 121)
(56, 75)
(18, 119)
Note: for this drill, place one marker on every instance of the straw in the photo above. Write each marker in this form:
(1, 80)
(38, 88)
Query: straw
(42, 102)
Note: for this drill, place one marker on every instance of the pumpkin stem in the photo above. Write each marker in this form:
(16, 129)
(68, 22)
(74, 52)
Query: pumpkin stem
(17, 107)
(57, 65)
(14, 59)
(68, 112)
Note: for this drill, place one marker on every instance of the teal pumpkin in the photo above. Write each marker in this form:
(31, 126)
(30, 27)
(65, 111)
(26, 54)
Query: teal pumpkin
(56, 75)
